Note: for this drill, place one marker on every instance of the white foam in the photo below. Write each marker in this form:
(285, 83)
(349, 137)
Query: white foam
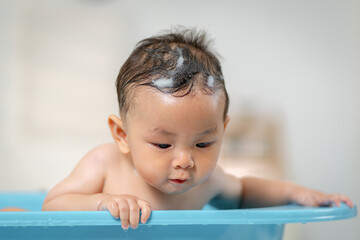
(163, 83)
(210, 81)
(180, 60)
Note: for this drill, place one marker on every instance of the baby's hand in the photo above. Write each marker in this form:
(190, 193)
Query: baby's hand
(309, 197)
(127, 208)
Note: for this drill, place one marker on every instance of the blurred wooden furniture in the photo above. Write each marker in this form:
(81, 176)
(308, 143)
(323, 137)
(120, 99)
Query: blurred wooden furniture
(253, 146)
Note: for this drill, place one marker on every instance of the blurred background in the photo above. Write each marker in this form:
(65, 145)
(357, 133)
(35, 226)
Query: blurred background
(292, 70)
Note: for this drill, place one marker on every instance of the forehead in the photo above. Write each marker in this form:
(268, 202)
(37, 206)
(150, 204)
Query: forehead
(148, 103)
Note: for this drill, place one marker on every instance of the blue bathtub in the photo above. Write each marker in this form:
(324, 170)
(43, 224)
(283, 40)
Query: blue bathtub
(209, 223)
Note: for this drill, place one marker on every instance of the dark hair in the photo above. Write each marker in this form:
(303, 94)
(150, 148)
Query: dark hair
(173, 63)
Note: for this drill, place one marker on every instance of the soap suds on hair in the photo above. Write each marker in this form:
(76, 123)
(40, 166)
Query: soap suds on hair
(163, 83)
(180, 60)
(210, 81)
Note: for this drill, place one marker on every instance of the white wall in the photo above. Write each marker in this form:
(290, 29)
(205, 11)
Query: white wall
(299, 59)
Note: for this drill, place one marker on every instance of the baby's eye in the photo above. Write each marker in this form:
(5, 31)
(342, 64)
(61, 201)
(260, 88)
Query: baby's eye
(162, 145)
(204, 145)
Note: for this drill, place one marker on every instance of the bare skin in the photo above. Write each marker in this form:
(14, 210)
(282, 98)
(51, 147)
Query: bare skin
(12, 209)
(164, 158)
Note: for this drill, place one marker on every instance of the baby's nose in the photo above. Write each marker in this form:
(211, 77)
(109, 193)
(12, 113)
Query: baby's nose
(183, 159)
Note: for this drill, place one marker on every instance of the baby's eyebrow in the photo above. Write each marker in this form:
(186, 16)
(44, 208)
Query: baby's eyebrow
(165, 132)
(208, 131)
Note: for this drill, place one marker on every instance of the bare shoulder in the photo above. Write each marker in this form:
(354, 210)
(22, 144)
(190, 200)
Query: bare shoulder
(226, 185)
(89, 174)
(102, 155)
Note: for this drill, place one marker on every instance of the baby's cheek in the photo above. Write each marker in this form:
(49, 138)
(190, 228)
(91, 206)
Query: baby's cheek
(205, 168)
(152, 173)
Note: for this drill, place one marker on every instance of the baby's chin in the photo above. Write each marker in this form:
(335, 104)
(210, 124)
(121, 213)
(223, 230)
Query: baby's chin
(170, 189)
(175, 192)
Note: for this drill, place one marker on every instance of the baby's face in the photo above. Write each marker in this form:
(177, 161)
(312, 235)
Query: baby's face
(175, 141)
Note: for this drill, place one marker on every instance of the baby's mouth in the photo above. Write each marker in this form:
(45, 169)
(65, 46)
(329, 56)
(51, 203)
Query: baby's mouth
(178, 181)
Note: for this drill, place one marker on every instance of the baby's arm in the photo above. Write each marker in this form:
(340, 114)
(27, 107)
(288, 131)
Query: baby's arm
(258, 192)
(82, 191)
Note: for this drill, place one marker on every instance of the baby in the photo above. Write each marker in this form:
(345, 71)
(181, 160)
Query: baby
(173, 113)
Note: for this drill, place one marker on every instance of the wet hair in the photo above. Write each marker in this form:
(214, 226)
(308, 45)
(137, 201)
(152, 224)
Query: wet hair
(177, 63)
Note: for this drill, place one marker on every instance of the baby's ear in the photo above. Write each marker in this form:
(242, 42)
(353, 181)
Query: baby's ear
(227, 120)
(118, 133)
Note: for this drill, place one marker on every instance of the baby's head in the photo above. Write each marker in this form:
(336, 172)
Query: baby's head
(173, 107)
(178, 63)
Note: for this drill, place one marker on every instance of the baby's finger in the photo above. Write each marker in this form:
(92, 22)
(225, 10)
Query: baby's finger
(113, 209)
(324, 199)
(134, 211)
(308, 200)
(313, 202)
(346, 200)
(124, 213)
(110, 206)
(145, 210)
(335, 198)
